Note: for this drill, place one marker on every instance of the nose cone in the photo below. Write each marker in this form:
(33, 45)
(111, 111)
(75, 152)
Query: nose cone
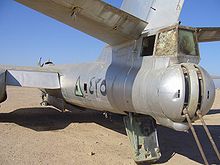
(185, 86)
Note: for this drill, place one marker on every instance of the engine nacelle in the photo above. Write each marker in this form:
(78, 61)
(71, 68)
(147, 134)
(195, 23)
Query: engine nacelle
(3, 95)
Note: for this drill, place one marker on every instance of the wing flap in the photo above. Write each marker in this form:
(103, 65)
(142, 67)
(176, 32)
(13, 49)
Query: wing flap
(93, 17)
(34, 79)
(208, 34)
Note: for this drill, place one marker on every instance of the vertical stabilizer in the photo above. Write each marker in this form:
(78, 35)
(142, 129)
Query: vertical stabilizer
(158, 13)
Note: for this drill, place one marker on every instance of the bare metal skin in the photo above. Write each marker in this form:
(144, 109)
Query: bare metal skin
(149, 73)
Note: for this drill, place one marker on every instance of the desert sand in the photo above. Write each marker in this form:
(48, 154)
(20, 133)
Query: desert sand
(31, 134)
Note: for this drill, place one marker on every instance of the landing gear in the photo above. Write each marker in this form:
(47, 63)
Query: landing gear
(44, 97)
(142, 133)
(44, 103)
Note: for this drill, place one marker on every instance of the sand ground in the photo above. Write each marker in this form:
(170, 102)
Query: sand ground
(30, 134)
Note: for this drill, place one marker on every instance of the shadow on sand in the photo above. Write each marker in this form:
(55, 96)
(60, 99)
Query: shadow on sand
(48, 119)
(171, 142)
(214, 111)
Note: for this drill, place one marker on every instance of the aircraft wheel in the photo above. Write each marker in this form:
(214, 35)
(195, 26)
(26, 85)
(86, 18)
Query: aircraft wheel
(44, 103)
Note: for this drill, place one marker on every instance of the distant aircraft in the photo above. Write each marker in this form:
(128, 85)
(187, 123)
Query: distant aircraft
(148, 71)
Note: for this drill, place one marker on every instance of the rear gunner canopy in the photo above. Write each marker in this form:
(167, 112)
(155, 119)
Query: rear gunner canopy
(177, 41)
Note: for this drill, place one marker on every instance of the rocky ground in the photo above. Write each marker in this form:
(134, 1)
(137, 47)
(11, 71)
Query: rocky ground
(30, 134)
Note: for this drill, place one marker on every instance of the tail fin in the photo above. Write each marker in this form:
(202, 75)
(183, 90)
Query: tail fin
(158, 13)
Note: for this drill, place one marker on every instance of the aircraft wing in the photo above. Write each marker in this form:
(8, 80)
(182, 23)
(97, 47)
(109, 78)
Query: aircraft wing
(158, 13)
(93, 17)
(208, 34)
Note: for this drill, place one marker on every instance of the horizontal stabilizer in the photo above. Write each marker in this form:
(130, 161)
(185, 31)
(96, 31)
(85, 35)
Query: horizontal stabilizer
(208, 34)
(215, 77)
(93, 17)
(34, 79)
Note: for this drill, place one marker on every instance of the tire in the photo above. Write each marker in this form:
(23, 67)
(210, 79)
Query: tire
(44, 104)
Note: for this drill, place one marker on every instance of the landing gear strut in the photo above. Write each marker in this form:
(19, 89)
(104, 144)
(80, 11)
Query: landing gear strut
(142, 133)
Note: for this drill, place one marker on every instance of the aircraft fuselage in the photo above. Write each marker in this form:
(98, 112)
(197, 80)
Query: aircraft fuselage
(124, 80)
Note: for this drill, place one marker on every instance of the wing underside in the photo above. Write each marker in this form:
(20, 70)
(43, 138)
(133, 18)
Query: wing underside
(93, 17)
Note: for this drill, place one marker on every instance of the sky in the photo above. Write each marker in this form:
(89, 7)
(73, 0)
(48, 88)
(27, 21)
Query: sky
(26, 35)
